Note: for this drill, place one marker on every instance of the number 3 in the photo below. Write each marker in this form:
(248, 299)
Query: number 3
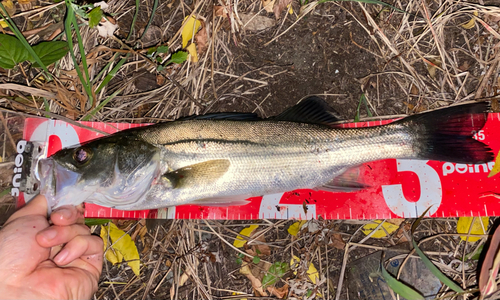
(431, 192)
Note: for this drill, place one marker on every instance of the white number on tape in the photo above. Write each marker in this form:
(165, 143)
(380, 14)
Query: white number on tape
(431, 192)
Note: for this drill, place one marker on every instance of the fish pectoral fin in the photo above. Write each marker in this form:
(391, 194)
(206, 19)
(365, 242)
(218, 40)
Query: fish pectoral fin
(223, 201)
(198, 174)
(349, 181)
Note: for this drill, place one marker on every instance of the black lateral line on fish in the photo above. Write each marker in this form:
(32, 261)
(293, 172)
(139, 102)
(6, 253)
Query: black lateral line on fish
(200, 141)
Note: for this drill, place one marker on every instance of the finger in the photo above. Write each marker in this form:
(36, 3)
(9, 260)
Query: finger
(36, 207)
(80, 246)
(67, 215)
(56, 235)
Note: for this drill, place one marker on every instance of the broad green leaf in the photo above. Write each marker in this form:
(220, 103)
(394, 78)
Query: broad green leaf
(92, 222)
(275, 272)
(179, 57)
(240, 241)
(123, 248)
(95, 16)
(427, 262)
(12, 51)
(465, 224)
(400, 288)
(256, 260)
(50, 52)
(162, 49)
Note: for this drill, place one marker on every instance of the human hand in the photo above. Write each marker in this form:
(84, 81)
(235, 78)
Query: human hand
(43, 261)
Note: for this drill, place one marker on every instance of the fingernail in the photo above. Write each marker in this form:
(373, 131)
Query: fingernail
(65, 213)
(49, 234)
(61, 256)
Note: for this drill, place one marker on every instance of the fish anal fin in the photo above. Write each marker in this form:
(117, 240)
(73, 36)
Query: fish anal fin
(348, 181)
(198, 174)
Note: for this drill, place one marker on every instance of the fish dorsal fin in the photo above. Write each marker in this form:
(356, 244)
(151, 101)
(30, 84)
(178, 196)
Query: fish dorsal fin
(313, 110)
(224, 116)
(199, 174)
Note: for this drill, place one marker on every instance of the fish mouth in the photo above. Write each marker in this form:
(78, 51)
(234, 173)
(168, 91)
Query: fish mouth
(58, 184)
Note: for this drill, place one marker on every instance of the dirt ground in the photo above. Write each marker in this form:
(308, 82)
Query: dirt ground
(336, 50)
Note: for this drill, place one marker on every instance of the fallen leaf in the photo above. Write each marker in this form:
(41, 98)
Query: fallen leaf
(256, 284)
(471, 23)
(220, 11)
(465, 223)
(337, 241)
(253, 22)
(201, 39)
(191, 27)
(380, 233)
(193, 56)
(106, 28)
(257, 249)
(312, 272)
(278, 8)
(433, 64)
(490, 266)
(123, 248)
(240, 241)
(9, 7)
(295, 227)
(268, 5)
(496, 167)
(281, 292)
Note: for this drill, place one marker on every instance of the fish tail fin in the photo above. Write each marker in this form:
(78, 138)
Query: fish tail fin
(448, 134)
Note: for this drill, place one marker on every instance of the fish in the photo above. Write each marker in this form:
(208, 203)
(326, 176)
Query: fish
(224, 159)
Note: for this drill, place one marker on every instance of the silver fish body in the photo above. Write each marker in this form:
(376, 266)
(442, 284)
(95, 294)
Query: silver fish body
(222, 162)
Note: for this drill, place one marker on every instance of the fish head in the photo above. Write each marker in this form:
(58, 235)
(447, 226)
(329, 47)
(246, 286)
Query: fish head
(111, 172)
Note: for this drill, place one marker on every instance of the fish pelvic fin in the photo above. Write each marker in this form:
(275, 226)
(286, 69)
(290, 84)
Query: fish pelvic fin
(448, 134)
(198, 174)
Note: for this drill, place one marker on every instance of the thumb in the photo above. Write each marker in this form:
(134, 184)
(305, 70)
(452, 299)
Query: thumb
(36, 207)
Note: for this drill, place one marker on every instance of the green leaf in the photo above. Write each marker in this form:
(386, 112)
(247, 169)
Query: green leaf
(239, 261)
(162, 49)
(275, 272)
(179, 57)
(427, 262)
(256, 260)
(92, 222)
(50, 52)
(400, 288)
(477, 254)
(12, 51)
(95, 16)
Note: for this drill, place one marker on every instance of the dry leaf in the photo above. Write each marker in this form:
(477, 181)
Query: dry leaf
(268, 5)
(220, 11)
(278, 8)
(191, 27)
(465, 223)
(260, 250)
(386, 228)
(193, 55)
(106, 28)
(281, 292)
(253, 22)
(201, 39)
(256, 284)
(240, 241)
(295, 227)
(337, 241)
(123, 248)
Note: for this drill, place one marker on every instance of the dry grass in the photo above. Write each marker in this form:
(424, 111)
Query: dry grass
(444, 52)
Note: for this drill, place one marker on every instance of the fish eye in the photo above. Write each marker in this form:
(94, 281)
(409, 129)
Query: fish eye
(82, 155)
